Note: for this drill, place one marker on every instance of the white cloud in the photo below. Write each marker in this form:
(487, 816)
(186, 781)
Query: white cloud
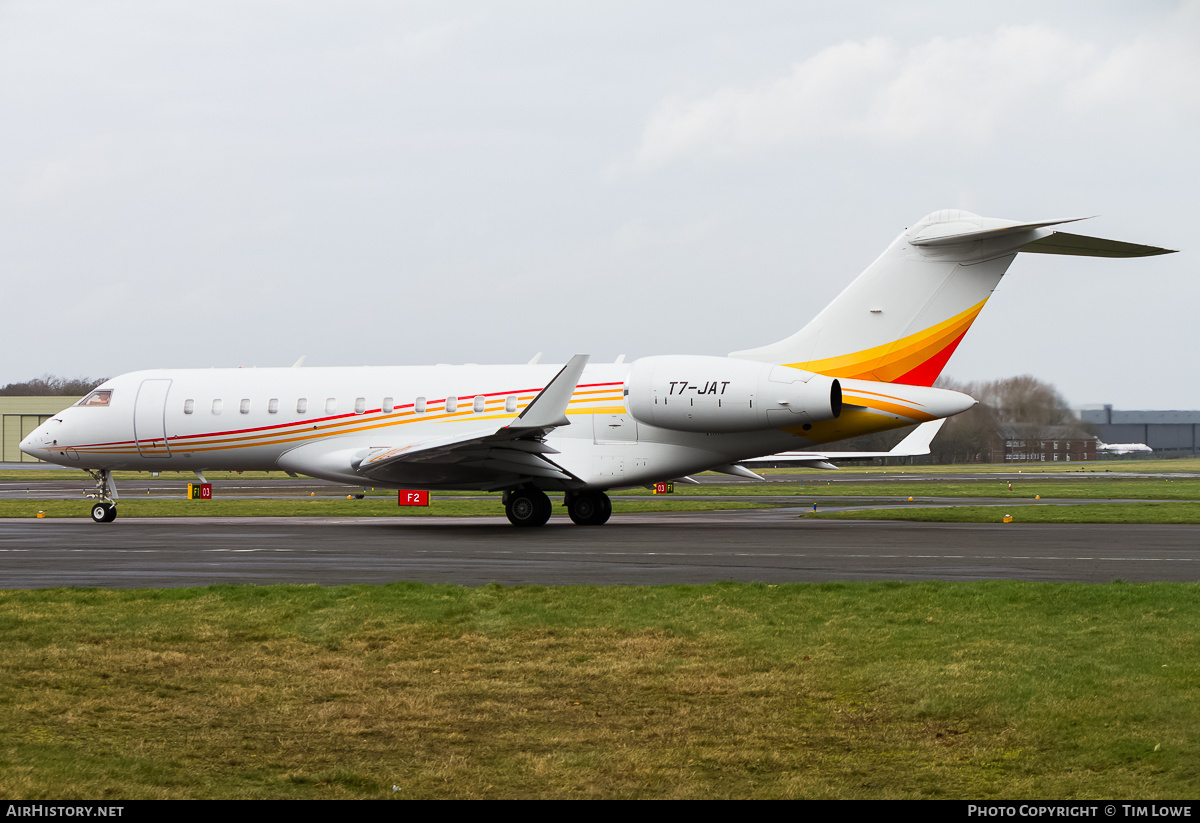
(944, 89)
(1162, 66)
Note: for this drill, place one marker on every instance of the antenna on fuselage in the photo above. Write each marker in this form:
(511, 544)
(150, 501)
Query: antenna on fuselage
(299, 362)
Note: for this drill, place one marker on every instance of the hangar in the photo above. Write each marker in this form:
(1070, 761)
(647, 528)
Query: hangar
(21, 415)
(1169, 433)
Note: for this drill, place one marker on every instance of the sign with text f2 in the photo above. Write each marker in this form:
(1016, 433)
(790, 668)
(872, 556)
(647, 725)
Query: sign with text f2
(410, 497)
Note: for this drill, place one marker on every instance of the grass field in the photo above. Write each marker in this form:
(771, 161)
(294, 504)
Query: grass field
(823, 488)
(1150, 488)
(994, 690)
(1135, 466)
(932, 690)
(1147, 513)
(306, 507)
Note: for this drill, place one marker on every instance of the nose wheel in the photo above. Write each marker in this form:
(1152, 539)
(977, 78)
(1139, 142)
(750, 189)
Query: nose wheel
(104, 512)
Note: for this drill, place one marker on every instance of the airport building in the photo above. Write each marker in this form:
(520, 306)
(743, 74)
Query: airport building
(1168, 433)
(1041, 444)
(21, 415)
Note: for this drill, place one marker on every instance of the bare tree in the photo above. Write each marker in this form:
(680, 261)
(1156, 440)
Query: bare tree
(49, 385)
(1022, 400)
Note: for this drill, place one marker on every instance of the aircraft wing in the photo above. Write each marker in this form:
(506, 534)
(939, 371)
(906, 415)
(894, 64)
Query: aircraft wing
(516, 449)
(917, 443)
(481, 452)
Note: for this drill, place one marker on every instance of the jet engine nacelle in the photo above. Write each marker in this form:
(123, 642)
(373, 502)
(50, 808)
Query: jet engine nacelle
(721, 394)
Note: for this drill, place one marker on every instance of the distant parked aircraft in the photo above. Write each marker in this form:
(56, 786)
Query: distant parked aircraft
(1122, 448)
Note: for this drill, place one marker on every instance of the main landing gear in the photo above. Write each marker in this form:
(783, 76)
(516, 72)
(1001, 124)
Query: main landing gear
(589, 508)
(531, 507)
(527, 507)
(104, 510)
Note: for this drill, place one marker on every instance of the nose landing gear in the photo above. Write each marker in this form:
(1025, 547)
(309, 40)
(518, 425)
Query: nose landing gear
(104, 510)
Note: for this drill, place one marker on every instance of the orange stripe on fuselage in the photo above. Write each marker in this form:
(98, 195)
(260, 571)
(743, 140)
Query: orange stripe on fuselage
(349, 423)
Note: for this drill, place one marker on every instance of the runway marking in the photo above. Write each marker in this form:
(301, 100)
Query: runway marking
(247, 551)
(832, 551)
(581, 554)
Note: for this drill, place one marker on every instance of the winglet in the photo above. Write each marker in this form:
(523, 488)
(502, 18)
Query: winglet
(549, 409)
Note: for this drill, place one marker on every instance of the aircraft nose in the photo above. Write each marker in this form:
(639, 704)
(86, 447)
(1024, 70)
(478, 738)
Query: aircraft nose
(37, 442)
(27, 445)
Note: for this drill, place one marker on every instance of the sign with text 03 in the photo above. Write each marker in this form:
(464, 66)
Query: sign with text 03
(412, 497)
(199, 491)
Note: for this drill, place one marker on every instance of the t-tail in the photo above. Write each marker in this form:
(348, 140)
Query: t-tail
(904, 316)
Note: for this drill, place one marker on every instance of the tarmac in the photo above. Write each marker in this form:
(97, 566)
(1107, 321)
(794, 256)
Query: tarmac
(760, 545)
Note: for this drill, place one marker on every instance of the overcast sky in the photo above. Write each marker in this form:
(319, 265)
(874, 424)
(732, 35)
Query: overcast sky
(215, 183)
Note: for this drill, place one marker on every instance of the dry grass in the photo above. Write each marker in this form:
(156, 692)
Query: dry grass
(403, 691)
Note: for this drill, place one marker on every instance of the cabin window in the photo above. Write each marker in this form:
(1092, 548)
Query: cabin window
(189, 406)
(244, 408)
(273, 406)
(477, 406)
(97, 398)
(389, 404)
(330, 405)
(510, 403)
(302, 406)
(216, 407)
(420, 405)
(451, 404)
(360, 405)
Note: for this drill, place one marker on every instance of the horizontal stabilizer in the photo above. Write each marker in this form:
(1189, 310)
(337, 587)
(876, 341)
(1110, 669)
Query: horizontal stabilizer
(737, 471)
(961, 231)
(918, 440)
(1060, 242)
(917, 443)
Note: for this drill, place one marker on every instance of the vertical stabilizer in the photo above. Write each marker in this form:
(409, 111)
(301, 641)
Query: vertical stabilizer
(904, 316)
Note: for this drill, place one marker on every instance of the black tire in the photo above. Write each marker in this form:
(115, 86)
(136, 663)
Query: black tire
(590, 509)
(528, 507)
(103, 512)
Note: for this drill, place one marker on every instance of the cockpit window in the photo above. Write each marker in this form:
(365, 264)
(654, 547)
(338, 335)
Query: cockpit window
(96, 398)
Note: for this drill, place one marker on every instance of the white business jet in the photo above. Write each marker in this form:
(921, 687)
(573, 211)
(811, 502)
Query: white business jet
(866, 363)
(1123, 448)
